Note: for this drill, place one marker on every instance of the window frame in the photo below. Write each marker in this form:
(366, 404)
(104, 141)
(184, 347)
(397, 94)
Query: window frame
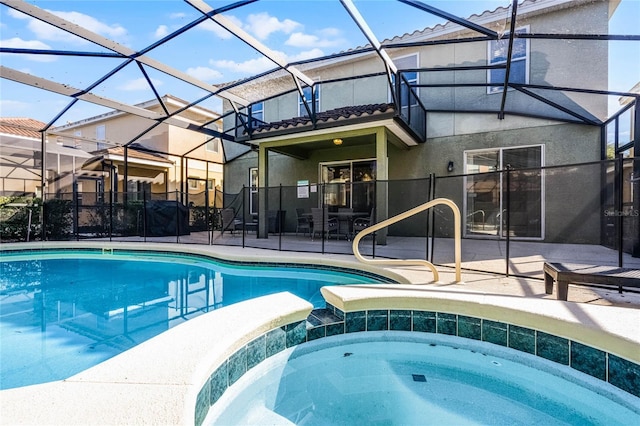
(215, 144)
(302, 111)
(253, 190)
(526, 59)
(500, 166)
(101, 135)
(260, 111)
(416, 55)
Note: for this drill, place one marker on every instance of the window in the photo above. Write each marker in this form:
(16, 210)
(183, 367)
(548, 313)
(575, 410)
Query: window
(257, 111)
(485, 198)
(411, 77)
(193, 183)
(349, 184)
(253, 190)
(302, 110)
(519, 72)
(211, 184)
(101, 135)
(213, 145)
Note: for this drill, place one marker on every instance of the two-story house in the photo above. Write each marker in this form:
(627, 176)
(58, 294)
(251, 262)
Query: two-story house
(440, 106)
(164, 160)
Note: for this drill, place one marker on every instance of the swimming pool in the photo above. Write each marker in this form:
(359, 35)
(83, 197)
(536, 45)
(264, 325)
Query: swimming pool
(405, 378)
(62, 311)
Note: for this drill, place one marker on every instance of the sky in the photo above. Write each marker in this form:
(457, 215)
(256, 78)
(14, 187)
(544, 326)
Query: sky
(297, 30)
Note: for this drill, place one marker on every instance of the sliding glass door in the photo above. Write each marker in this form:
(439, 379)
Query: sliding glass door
(486, 194)
(349, 184)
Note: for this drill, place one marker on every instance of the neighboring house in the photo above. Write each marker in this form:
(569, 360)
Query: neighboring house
(166, 160)
(21, 158)
(439, 117)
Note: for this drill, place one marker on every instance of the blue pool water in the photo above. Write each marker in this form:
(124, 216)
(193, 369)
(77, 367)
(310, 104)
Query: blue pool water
(398, 378)
(63, 312)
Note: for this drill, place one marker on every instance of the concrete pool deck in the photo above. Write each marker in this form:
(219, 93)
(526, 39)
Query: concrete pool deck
(157, 382)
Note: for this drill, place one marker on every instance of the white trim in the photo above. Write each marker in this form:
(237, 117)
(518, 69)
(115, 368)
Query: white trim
(336, 163)
(526, 59)
(500, 149)
(138, 161)
(301, 109)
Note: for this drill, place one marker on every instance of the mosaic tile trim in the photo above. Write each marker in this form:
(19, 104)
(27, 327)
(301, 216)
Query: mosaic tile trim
(254, 352)
(619, 372)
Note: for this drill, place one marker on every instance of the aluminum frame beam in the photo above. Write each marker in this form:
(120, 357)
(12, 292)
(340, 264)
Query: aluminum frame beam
(368, 33)
(449, 17)
(66, 90)
(238, 32)
(70, 27)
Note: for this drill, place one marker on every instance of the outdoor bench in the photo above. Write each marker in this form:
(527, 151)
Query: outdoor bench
(565, 273)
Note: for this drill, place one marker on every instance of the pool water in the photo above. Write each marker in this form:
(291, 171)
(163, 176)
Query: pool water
(396, 378)
(63, 312)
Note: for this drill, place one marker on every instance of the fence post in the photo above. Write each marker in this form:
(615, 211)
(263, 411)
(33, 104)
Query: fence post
(110, 214)
(206, 206)
(178, 216)
(244, 231)
(144, 215)
(508, 218)
(76, 209)
(433, 218)
(323, 219)
(429, 195)
(618, 202)
(279, 217)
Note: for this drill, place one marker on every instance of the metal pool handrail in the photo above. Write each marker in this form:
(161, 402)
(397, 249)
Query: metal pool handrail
(419, 262)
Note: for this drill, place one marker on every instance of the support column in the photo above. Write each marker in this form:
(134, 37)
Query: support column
(382, 184)
(263, 185)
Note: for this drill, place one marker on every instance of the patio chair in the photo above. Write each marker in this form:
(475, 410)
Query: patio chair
(303, 222)
(362, 223)
(229, 221)
(322, 224)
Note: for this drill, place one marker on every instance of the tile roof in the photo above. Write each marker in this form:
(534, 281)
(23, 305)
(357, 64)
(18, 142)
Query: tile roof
(338, 114)
(20, 126)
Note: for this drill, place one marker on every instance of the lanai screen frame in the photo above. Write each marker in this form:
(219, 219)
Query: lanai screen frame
(299, 79)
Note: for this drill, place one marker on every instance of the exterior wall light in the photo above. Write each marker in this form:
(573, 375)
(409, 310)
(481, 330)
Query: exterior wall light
(337, 142)
(450, 166)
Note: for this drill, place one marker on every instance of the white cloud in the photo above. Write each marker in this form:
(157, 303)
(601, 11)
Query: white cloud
(45, 31)
(161, 31)
(252, 66)
(178, 15)
(139, 84)
(262, 25)
(204, 73)
(211, 26)
(307, 54)
(10, 108)
(330, 32)
(301, 40)
(329, 37)
(258, 65)
(18, 43)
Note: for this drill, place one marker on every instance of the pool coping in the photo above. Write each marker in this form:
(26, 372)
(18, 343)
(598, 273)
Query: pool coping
(158, 381)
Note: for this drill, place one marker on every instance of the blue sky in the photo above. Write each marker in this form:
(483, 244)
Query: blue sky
(297, 29)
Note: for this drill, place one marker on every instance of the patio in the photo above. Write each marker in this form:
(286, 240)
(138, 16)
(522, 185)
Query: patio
(525, 258)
